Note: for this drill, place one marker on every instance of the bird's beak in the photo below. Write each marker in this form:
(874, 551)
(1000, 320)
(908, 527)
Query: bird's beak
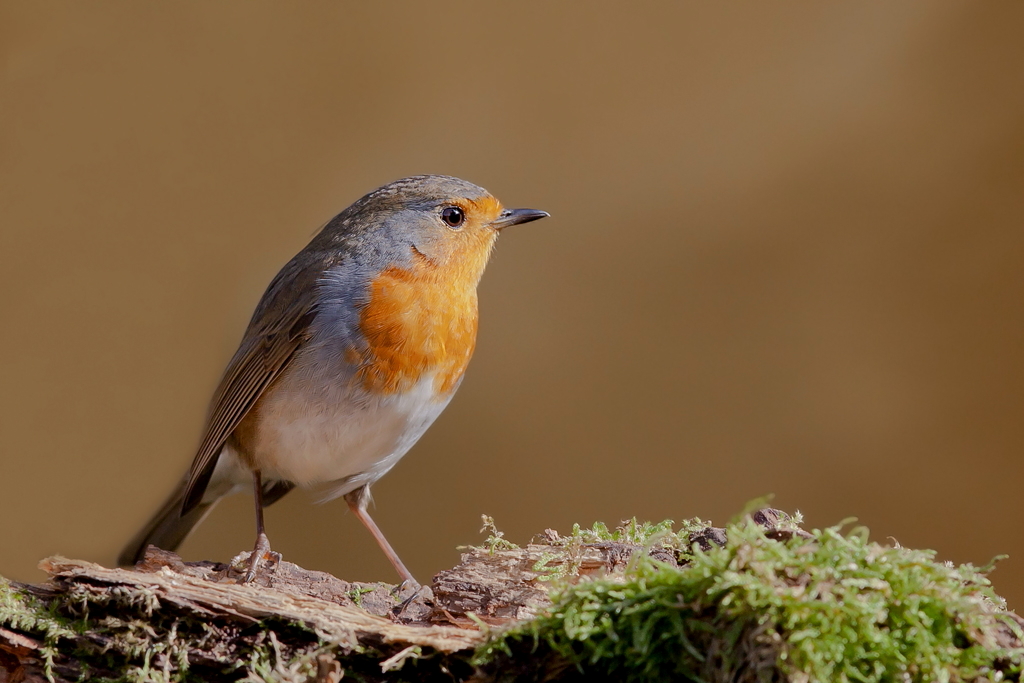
(516, 216)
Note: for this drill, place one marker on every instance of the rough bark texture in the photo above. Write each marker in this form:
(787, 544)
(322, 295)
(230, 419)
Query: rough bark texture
(168, 620)
(369, 628)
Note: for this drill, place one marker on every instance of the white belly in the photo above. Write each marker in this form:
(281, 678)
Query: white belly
(343, 438)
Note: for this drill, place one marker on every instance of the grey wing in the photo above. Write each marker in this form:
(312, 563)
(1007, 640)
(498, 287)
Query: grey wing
(278, 327)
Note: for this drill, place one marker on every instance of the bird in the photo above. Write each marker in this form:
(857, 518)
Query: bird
(356, 347)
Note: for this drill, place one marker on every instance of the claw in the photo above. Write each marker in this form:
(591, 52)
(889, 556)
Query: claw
(408, 583)
(419, 592)
(261, 553)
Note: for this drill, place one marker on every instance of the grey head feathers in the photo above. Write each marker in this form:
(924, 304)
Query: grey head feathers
(388, 216)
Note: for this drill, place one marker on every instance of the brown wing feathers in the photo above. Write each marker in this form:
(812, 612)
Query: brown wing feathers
(262, 356)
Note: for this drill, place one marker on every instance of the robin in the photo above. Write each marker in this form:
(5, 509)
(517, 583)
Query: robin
(356, 347)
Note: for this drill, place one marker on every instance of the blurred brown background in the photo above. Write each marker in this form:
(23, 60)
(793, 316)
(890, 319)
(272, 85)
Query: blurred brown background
(786, 254)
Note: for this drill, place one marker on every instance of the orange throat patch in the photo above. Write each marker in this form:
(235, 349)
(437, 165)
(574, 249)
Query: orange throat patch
(420, 321)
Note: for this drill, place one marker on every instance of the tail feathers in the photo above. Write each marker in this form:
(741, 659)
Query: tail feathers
(167, 529)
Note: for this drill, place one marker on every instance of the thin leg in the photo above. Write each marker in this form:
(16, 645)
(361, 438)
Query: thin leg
(261, 551)
(357, 501)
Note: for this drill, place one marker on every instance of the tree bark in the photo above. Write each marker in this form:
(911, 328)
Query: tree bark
(169, 620)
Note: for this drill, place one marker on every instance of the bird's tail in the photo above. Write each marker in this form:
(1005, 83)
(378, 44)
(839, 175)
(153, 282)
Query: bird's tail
(167, 529)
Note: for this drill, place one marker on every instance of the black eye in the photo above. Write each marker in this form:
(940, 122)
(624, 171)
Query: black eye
(453, 216)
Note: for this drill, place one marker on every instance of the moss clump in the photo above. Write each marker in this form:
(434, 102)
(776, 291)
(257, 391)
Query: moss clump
(834, 607)
(124, 634)
(663, 534)
(761, 600)
(25, 613)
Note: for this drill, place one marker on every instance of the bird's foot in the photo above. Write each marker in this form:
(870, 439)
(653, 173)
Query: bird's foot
(407, 584)
(257, 563)
(412, 593)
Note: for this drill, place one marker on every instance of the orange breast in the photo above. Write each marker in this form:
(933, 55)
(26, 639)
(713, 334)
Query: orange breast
(418, 321)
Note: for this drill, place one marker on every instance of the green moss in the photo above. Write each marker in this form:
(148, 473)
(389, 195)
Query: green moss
(768, 606)
(121, 635)
(26, 613)
(495, 539)
(357, 594)
(124, 634)
(639, 533)
(835, 608)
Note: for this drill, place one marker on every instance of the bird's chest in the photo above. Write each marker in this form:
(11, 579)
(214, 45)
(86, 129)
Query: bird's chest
(349, 408)
(414, 325)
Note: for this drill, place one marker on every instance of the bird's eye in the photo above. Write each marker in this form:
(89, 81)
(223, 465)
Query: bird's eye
(453, 216)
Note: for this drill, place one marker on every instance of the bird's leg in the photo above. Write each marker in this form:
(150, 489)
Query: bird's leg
(357, 501)
(261, 551)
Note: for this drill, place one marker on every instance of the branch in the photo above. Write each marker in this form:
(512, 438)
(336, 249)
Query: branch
(760, 600)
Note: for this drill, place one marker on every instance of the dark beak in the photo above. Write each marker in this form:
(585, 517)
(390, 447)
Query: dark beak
(516, 216)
